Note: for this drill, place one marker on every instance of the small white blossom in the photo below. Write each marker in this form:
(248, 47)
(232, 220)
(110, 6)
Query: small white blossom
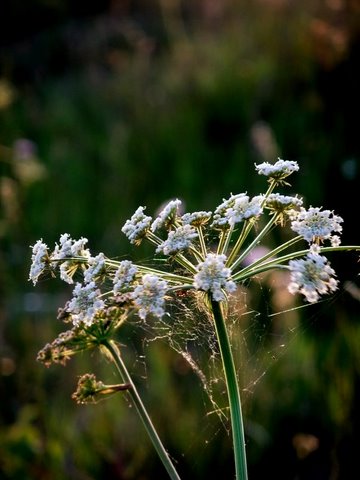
(96, 267)
(149, 296)
(220, 219)
(135, 228)
(69, 248)
(314, 224)
(277, 171)
(124, 275)
(167, 216)
(335, 241)
(85, 303)
(39, 259)
(243, 209)
(214, 276)
(179, 239)
(196, 219)
(280, 203)
(312, 277)
(315, 248)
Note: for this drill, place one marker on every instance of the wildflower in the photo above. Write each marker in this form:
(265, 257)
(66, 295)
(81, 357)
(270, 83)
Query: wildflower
(277, 171)
(315, 225)
(179, 239)
(167, 216)
(149, 296)
(135, 229)
(96, 268)
(69, 248)
(280, 203)
(312, 277)
(39, 259)
(124, 275)
(196, 219)
(243, 208)
(220, 219)
(335, 241)
(214, 276)
(85, 303)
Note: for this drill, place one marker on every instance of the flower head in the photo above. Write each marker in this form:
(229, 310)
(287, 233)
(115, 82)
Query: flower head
(85, 303)
(281, 203)
(277, 171)
(315, 225)
(243, 208)
(39, 260)
(135, 229)
(96, 268)
(196, 219)
(179, 239)
(220, 219)
(213, 276)
(312, 276)
(149, 296)
(167, 215)
(124, 275)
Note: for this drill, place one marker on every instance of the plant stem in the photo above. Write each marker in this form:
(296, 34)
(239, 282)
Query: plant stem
(233, 392)
(135, 397)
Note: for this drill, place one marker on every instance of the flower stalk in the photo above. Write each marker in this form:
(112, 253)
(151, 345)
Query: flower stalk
(111, 347)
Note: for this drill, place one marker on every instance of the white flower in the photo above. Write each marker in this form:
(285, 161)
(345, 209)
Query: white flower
(39, 260)
(214, 276)
(312, 277)
(135, 228)
(243, 208)
(69, 248)
(124, 275)
(179, 239)
(85, 303)
(96, 267)
(220, 219)
(149, 296)
(314, 224)
(280, 203)
(335, 241)
(167, 216)
(196, 219)
(279, 170)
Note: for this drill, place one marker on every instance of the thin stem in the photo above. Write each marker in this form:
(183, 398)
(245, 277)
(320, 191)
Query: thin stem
(233, 392)
(134, 395)
(272, 253)
(202, 241)
(253, 244)
(276, 262)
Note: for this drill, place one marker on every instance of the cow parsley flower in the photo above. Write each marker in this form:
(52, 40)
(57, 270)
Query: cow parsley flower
(167, 216)
(39, 260)
(69, 248)
(179, 239)
(220, 219)
(312, 277)
(280, 203)
(96, 268)
(214, 276)
(149, 296)
(243, 208)
(124, 275)
(85, 303)
(135, 229)
(277, 171)
(315, 225)
(196, 219)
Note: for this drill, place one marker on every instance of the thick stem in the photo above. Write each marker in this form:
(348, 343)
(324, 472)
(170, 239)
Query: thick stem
(134, 395)
(233, 392)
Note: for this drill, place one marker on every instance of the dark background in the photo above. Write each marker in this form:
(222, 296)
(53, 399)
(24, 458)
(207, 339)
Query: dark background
(105, 106)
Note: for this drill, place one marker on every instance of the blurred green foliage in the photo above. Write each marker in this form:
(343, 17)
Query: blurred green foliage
(124, 104)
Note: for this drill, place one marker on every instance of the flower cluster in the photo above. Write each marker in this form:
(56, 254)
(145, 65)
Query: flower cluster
(206, 248)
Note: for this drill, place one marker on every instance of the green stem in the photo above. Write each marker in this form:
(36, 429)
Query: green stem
(255, 242)
(232, 390)
(202, 242)
(134, 395)
(276, 263)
